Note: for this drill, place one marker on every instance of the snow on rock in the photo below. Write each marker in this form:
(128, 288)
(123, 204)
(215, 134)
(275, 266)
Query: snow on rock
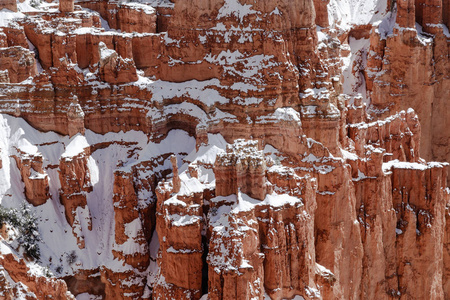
(345, 13)
(217, 150)
(236, 9)
(76, 146)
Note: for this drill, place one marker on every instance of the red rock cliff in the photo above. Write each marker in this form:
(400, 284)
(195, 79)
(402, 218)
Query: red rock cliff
(232, 148)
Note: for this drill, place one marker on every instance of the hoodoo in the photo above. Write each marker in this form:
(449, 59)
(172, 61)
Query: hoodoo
(224, 149)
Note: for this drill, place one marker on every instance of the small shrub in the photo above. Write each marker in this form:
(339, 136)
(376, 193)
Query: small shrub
(71, 258)
(47, 272)
(35, 3)
(59, 269)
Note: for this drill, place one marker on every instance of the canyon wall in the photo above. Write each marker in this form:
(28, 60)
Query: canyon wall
(226, 149)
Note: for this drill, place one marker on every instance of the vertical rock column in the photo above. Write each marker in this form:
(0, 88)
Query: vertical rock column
(378, 221)
(242, 168)
(179, 226)
(130, 246)
(321, 12)
(406, 17)
(76, 183)
(430, 14)
(446, 254)
(419, 200)
(446, 12)
(34, 177)
(337, 232)
(8, 4)
(75, 118)
(66, 5)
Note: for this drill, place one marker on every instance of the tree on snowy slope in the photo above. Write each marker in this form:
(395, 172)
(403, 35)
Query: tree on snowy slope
(24, 222)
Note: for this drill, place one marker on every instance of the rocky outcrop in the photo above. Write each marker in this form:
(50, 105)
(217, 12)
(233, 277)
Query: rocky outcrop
(30, 164)
(66, 5)
(398, 135)
(129, 17)
(129, 232)
(9, 4)
(417, 211)
(179, 229)
(409, 68)
(279, 181)
(238, 230)
(75, 178)
(19, 62)
(115, 69)
(241, 169)
(17, 281)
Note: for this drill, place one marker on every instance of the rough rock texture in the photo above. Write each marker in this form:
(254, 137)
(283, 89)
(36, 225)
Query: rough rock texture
(75, 179)
(66, 5)
(127, 17)
(113, 68)
(16, 281)
(410, 68)
(236, 264)
(19, 62)
(33, 176)
(235, 148)
(241, 169)
(9, 4)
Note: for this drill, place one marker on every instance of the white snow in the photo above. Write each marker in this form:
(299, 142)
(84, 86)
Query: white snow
(76, 146)
(26, 6)
(424, 38)
(348, 155)
(287, 114)
(147, 9)
(345, 13)
(105, 53)
(59, 241)
(243, 202)
(203, 91)
(186, 220)
(6, 16)
(354, 80)
(411, 165)
(236, 9)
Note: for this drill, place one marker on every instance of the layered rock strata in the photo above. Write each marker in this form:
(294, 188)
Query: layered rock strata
(206, 147)
(17, 281)
(409, 67)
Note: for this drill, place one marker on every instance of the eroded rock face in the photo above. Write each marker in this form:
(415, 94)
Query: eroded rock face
(19, 62)
(129, 17)
(113, 68)
(9, 4)
(66, 5)
(242, 168)
(17, 281)
(75, 178)
(239, 228)
(409, 68)
(208, 147)
(33, 176)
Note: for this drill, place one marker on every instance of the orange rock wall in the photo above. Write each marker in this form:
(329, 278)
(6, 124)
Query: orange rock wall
(9, 4)
(407, 69)
(388, 222)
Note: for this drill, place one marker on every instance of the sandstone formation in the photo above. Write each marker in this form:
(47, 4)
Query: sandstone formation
(9, 4)
(75, 179)
(226, 149)
(409, 67)
(19, 62)
(66, 5)
(33, 176)
(17, 281)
